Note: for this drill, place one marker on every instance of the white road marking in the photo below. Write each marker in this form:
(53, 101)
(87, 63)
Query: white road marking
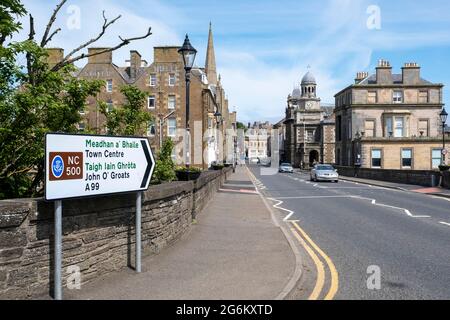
(290, 212)
(445, 223)
(313, 197)
(374, 202)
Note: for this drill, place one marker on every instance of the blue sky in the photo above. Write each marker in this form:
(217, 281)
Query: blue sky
(263, 47)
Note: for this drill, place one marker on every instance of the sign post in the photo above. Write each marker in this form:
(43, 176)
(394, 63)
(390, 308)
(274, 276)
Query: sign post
(80, 166)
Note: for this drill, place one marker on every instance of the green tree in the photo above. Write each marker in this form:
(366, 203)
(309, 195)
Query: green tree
(165, 168)
(30, 106)
(129, 119)
(10, 10)
(36, 98)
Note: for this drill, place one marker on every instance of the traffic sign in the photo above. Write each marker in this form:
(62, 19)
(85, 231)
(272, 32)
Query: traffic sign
(88, 165)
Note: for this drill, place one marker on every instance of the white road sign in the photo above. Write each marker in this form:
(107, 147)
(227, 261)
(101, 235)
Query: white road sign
(85, 166)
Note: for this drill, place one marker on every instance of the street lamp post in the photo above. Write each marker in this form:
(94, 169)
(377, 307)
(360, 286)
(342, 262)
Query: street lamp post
(218, 117)
(188, 53)
(443, 117)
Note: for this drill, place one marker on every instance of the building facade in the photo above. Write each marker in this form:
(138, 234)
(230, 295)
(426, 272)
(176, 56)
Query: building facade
(390, 121)
(164, 81)
(308, 127)
(257, 141)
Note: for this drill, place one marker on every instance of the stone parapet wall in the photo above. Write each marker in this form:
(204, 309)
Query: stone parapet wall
(426, 178)
(98, 233)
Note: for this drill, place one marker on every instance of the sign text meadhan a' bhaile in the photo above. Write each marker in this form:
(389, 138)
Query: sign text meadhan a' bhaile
(80, 166)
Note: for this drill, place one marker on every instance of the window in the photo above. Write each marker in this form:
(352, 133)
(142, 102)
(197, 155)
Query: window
(153, 80)
(407, 158)
(109, 106)
(151, 130)
(376, 158)
(436, 158)
(399, 127)
(171, 102)
(109, 86)
(423, 128)
(369, 128)
(151, 102)
(398, 97)
(172, 127)
(372, 97)
(423, 96)
(394, 127)
(81, 126)
(171, 79)
(310, 135)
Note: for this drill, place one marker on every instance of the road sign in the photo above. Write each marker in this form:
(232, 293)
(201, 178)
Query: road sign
(86, 165)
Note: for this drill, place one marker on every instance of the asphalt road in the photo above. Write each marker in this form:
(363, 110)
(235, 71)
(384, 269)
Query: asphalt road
(405, 234)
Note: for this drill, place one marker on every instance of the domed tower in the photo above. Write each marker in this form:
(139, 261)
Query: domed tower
(309, 86)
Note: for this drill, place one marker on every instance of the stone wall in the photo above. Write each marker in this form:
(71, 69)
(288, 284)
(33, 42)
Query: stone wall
(416, 177)
(98, 233)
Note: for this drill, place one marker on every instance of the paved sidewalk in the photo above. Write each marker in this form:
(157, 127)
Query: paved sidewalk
(233, 252)
(437, 191)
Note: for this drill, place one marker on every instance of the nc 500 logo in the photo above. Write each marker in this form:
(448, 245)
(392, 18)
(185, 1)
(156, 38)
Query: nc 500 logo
(65, 166)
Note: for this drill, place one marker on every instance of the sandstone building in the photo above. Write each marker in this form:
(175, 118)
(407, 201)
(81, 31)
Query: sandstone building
(164, 81)
(389, 121)
(309, 127)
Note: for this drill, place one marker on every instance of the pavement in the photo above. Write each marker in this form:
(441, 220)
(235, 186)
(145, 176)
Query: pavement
(381, 243)
(435, 191)
(235, 251)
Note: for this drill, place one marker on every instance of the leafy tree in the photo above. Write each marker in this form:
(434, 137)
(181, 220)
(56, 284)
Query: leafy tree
(36, 98)
(30, 106)
(129, 119)
(9, 11)
(165, 168)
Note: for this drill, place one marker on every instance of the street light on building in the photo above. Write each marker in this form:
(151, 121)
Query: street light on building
(443, 117)
(188, 53)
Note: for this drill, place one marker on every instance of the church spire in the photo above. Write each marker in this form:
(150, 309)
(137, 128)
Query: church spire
(210, 64)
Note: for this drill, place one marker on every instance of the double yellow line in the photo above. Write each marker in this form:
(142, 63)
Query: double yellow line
(314, 252)
(311, 247)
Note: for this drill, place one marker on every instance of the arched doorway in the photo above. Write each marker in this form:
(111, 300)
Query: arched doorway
(313, 157)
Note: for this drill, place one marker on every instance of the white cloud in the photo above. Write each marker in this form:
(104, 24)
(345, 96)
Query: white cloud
(130, 25)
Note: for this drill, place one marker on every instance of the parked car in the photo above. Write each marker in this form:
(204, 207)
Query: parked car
(324, 172)
(286, 167)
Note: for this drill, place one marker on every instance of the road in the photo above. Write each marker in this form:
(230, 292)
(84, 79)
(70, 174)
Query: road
(363, 229)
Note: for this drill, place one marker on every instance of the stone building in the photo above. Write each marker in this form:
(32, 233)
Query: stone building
(389, 121)
(308, 126)
(257, 141)
(164, 81)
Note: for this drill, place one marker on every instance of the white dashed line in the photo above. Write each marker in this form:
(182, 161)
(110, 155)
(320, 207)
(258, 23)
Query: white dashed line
(445, 223)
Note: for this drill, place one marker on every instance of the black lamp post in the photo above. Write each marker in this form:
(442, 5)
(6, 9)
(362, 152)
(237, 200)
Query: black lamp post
(188, 53)
(443, 116)
(218, 117)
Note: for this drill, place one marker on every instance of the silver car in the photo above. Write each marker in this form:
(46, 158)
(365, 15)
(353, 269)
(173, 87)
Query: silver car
(286, 167)
(324, 172)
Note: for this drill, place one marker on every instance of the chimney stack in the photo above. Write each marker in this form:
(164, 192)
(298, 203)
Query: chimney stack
(411, 73)
(55, 56)
(384, 72)
(103, 58)
(135, 64)
(360, 76)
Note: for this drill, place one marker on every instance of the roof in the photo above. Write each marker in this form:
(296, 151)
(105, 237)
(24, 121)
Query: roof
(296, 93)
(309, 78)
(396, 78)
